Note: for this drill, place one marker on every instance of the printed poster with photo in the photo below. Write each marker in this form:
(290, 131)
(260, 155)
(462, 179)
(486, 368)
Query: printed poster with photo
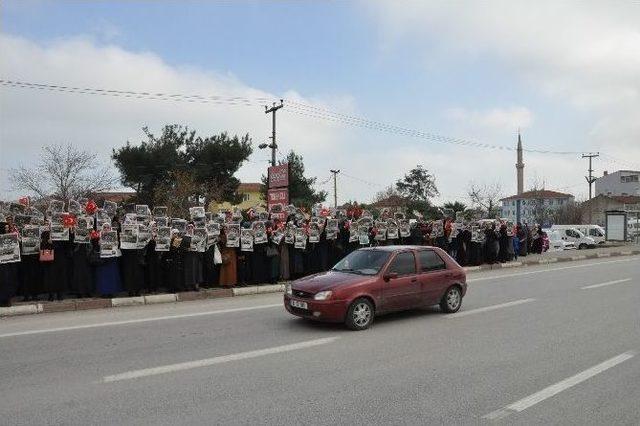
(144, 235)
(110, 208)
(363, 235)
(260, 232)
(108, 244)
(301, 239)
(142, 210)
(162, 221)
(437, 229)
(129, 236)
(196, 212)
(84, 225)
(290, 234)
(246, 240)
(392, 229)
(314, 232)
(232, 230)
(30, 237)
(163, 238)
(75, 208)
(59, 232)
(198, 240)
(55, 207)
(213, 230)
(199, 222)
(354, 233)
(9, 248)
(179, 224)
(21, 220)
(160, 211)
(277, 236)
(102, 219)
(405, 227)
(332, 229)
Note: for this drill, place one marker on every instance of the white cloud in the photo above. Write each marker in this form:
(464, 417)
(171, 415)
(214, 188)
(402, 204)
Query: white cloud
(33, 118)
(582, 55)
(503, 120)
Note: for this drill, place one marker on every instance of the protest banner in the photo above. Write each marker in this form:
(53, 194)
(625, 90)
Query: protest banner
(30, 238)
(163, 238)
(108, 244)
(232, 231)
(9, 248)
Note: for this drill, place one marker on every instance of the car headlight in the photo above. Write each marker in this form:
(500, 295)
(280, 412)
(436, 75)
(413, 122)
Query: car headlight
(288, 290)
(323, 295)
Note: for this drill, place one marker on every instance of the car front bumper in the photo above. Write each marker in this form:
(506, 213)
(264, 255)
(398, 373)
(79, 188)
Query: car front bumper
(320, 310)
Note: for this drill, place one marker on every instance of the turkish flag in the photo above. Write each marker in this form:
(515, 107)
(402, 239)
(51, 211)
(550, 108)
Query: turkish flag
(24, 201)
(69, 220)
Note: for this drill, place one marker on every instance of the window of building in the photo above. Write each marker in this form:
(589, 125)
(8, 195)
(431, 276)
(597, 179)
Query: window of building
(246, 197)
(630, 178)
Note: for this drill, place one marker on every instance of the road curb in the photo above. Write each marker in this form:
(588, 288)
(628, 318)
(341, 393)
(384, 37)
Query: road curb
(215, 293)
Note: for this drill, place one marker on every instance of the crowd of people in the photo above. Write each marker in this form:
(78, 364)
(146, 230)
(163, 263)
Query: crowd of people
(86, 251)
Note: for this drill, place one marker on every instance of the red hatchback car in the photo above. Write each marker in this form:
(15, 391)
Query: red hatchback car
(377, 280)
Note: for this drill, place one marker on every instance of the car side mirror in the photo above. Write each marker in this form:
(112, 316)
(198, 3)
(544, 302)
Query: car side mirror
(390, 276)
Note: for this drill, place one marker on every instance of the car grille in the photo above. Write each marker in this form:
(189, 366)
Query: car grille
(299, 311)
(302, 294)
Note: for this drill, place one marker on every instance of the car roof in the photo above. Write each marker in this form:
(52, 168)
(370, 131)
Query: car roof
(397, 248)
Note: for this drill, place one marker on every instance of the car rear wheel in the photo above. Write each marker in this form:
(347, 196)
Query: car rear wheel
(582, 246)
(452, 300)
(360, 315)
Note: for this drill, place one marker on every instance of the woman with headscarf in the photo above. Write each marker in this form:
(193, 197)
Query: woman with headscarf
(8, 274)
(107, 270)
(82, 274)
(228, 269)
(192, 262)
(175, 261)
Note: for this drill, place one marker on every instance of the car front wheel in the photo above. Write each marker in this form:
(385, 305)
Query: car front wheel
(360, 315)
(452, 300)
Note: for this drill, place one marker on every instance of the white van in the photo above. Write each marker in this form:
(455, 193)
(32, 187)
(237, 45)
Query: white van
(594, 231)
(556, 243)
(570, 233)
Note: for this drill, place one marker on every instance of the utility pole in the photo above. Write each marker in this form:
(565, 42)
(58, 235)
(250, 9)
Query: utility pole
(335, 188)
(590, 179)
(273, 144)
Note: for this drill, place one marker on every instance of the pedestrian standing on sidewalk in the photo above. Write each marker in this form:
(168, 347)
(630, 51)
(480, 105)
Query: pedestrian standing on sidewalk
(228, 270)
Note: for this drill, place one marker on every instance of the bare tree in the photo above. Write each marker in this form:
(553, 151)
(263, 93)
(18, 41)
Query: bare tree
(569, 214)
(386, 193)
(486, 197)
(64, 172)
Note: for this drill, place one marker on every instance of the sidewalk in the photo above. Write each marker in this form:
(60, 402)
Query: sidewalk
(26, 308)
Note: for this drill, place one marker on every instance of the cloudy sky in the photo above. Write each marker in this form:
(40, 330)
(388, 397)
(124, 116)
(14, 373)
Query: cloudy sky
(565, 73)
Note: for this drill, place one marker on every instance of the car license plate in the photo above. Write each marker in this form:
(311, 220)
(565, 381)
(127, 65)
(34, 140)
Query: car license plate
(296, 304)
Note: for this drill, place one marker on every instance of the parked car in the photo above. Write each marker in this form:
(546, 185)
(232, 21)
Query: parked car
(569, 233)
(556, 243)
(593, 231)
(378, 280)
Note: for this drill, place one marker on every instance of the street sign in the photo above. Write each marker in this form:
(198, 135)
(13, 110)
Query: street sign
(278, 196)
(279, 176)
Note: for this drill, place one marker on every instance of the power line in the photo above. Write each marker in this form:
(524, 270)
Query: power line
(294, 107)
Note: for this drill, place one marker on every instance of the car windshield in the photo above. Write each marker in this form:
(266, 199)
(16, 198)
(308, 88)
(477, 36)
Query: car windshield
(363, 262)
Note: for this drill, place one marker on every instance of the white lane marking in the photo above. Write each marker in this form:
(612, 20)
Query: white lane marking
(489, 308)
(135, 374)
(546, 270)
(605, 284)
(552, 390)
(138, 321)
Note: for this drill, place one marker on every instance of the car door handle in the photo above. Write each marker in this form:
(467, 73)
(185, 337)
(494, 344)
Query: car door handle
(413, 280)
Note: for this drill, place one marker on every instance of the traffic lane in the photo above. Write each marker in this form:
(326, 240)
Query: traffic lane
(87, 318)
(609, 398)
(203, 336)
(409, 366)
(97, 316)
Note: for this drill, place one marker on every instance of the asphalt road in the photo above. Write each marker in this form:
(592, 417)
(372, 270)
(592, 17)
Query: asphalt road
(530, 346)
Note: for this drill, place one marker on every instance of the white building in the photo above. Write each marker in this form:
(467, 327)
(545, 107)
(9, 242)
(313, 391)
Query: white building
(620, 183)
(534, 205)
